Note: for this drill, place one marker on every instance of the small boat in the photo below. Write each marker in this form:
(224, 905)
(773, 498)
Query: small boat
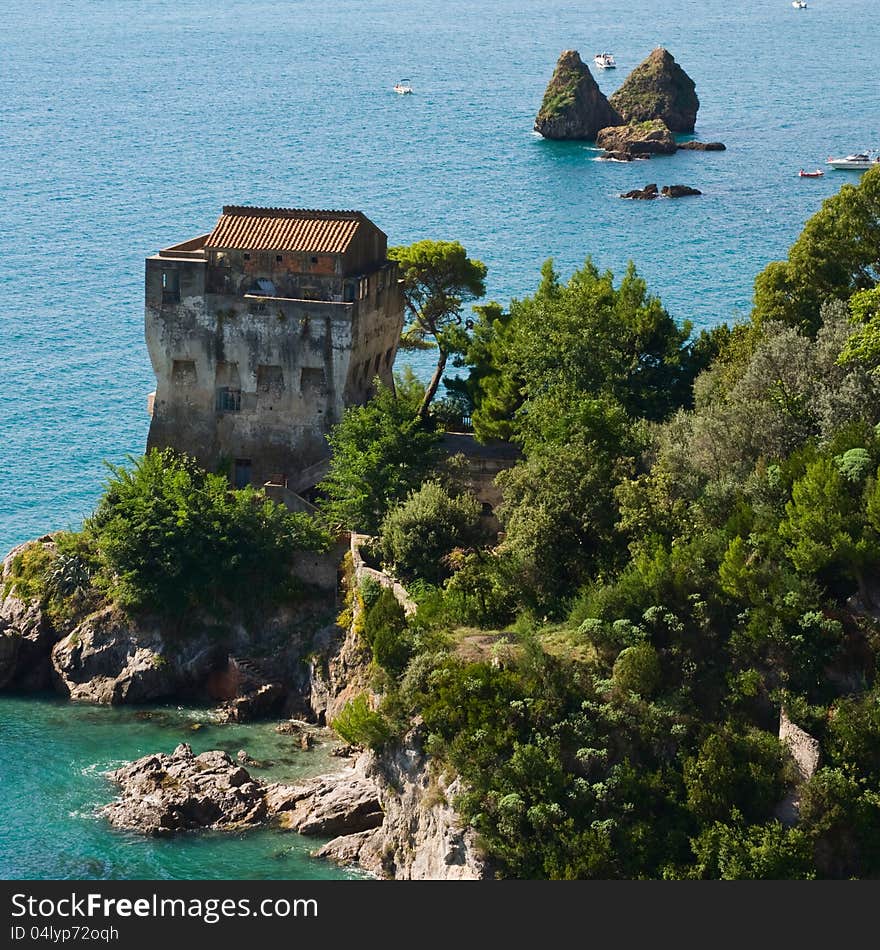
(818, 173)
(858, 161)
(799, 4)
(604, 61)
(403, 88)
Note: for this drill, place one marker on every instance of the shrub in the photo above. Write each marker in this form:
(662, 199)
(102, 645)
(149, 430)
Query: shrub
(385, 632)
(358, 724)
(637, 668)
(173, 537)
(418, 535)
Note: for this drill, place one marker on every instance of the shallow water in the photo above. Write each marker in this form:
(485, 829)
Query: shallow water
(52, 758)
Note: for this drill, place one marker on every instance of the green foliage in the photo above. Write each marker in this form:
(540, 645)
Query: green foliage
(837, 254)
(385, 631)
(381, 452)
(418, 535)
(735, 773)
(752, 852)
(438, 279)
(173, 538)
(359, 724)
(637, 669)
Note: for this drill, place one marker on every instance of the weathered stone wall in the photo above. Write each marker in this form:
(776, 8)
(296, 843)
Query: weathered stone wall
(289, 366)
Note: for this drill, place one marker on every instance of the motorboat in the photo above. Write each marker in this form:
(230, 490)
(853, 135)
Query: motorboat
(858, 161)
(799, 4)
(403, 88)
(604, 61)
(818, 173)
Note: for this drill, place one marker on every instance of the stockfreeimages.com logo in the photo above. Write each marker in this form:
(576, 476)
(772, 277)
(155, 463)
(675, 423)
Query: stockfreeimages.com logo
(209, 910)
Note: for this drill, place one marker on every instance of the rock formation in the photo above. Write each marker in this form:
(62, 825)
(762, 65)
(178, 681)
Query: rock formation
(702, 146)
(679, 191)
(166, 794)
(643, 138)
(658, 89)
(642, 194)
(574, 107)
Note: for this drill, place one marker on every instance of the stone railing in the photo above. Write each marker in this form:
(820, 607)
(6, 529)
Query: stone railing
(386, 580)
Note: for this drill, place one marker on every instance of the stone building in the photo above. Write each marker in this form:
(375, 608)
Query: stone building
(262, 331)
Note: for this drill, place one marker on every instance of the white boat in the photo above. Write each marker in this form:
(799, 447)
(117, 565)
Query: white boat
(604, 61)
(403, 88)
(858, 161)
(799, 4)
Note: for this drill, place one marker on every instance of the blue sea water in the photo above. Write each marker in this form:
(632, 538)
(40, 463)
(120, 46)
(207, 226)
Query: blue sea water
(125, 125)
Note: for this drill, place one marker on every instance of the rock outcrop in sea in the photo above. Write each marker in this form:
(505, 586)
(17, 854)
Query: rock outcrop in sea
(658, 89)
(574, 107)
(642, 138)
(702, 146)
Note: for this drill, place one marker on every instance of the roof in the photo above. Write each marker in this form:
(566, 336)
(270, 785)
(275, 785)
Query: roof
(286, 229)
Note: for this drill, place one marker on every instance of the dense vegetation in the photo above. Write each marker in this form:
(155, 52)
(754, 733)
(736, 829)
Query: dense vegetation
(691, 545)
(168, 537)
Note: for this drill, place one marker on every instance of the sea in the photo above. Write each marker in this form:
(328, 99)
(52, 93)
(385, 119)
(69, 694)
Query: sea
(126, 125)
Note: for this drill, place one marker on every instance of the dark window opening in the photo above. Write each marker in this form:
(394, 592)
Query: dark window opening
(246, 256)
(170, 286)
(228, 399)
(241, 473)
(312, 378)
(278, 258)
(270, 379)
(314, 260)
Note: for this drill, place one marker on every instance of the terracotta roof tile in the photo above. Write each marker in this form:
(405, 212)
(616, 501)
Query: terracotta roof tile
(285, 229)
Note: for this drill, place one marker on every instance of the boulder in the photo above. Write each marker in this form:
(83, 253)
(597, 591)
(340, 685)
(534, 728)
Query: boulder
(658, 89)
(166, 794)
(109, 658)
(262, 703)
(643, 138)
(574, 107)
(341, 803)
(702, 146)
(642, 194)
(26, 635)
(678, 191)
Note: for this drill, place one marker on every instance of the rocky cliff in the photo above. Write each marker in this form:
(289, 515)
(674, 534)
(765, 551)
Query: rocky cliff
(658, 89)
(574, 107)
(641, 138)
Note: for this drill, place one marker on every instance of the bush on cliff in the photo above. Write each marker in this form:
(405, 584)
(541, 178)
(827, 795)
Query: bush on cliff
(172, 537)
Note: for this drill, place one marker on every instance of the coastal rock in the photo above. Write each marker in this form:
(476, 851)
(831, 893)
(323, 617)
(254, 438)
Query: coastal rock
(658, 89)
(26, 635)
(167, 794)
(679, 191)
(421, 837)
(574, 107)
(108, 658)
(341, 803)
(642, 194)
(702, 146)
(258, 704)
(643, 138)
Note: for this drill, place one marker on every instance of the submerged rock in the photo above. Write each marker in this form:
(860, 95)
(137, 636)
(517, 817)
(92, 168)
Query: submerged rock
(658, 89)
(167, 794)
(574, 107)
(643, 138)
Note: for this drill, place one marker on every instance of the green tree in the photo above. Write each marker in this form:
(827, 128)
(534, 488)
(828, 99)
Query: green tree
(836, 254)
(438, 279)
(380, 452)
(418, 535)
(172, 537)
(864, 345)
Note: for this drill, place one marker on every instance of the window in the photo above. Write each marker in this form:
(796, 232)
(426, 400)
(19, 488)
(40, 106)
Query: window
(228, 399)
(241, 473)
(312, 378)
(183, 372)
(170, 286)
(278, 258)
(270, 380)
(246, 256)
(314, 260)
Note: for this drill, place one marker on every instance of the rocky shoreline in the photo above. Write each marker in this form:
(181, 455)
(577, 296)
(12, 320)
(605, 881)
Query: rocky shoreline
(388, 815)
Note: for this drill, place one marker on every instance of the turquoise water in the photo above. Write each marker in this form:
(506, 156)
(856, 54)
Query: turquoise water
(52, 756)
(125, 125)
